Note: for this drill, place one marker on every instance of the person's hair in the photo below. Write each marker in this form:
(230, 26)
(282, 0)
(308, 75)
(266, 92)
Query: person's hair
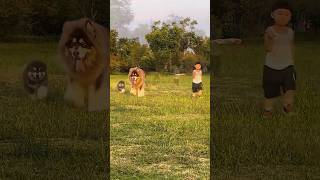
(281, 5)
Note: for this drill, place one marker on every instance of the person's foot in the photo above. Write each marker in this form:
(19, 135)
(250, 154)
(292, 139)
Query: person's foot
(267, 114)
(288, 110)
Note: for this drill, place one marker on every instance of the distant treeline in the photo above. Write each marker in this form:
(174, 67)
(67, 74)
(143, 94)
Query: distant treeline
(171, 47)
(46, 17)
(243, 18)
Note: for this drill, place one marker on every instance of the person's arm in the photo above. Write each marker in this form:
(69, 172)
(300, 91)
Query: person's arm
(292, 46)
(268, 40)
(193, 74)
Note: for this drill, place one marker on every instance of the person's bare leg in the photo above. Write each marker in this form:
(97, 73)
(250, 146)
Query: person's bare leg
(200, 93)
(268, 107)
(288, 99)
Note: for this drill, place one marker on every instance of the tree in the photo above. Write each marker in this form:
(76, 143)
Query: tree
(168, 41)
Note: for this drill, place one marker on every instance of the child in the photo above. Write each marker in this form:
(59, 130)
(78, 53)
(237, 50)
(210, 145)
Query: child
(279, 77)
(197, 80)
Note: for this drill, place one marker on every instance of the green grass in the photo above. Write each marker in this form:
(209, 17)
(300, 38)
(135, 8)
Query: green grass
(245, 146)
(45, 139)
(162, 135)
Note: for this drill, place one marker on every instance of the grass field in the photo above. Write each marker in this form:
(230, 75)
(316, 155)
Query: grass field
(45, 139)
(162, 135)
(245, 146)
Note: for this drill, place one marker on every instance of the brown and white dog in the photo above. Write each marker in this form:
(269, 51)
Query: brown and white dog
(137, 80)
(83, 52)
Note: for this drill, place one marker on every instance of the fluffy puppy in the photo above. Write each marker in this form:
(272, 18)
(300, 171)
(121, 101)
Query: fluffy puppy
(121, 87)
(83, 52)
(35, 79)
(137, 80)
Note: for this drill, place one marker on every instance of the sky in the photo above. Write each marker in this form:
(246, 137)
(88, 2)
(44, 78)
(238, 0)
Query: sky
(147, 11)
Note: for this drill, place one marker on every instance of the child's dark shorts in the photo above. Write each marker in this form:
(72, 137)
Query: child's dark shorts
(276, 80)
(196, 87)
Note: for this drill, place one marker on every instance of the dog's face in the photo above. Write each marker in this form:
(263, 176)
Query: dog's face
(79, 46)
(121, 86)
(36, 71)
(134, 76)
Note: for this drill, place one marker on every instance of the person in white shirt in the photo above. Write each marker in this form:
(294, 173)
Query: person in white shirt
(279, 75)
(197, 80)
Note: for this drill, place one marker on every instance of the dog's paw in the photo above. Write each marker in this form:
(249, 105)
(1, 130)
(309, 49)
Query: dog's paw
(42, 92)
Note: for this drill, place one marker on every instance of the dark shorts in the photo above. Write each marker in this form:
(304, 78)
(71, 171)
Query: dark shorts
(196, 87)
(276, 80)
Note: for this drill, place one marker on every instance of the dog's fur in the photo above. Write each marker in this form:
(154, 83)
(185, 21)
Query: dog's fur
(83, 52)
(137, 80)
(35, 79)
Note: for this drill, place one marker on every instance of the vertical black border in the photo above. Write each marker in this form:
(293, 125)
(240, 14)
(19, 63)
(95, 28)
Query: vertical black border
(107, 128)
(211, 148)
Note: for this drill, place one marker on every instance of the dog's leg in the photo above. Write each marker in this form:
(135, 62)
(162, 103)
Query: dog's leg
(141, 91)
(42, 92)
(75, 94)
(133, 91)
(97, 99)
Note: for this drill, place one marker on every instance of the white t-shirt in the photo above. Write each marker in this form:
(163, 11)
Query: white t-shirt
(197, 77)
(281, 55)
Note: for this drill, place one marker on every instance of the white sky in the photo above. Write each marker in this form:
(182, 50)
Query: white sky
(146, 11)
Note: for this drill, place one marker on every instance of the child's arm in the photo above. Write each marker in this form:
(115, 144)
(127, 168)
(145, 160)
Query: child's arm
(268, 40)
(193, 74)
(292, 46)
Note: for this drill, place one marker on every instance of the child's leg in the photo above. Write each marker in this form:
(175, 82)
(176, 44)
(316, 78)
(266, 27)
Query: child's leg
(199, 88)
(268, 107)
(288, 99)
(289, 89)
(268, 104)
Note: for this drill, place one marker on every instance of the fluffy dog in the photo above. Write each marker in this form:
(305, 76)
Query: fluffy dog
(83, 52)
(137, 80)
(121, 86)
(35, 79)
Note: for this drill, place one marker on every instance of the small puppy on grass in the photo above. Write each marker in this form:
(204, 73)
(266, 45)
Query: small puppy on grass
(121, 87)
(35, 79)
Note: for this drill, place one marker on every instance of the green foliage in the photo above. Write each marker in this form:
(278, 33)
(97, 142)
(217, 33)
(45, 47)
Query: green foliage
(46, 17)
(128, 53)
(249, 17)
(167, 43)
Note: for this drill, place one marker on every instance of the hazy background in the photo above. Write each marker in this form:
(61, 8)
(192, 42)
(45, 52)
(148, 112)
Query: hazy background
(133, 18)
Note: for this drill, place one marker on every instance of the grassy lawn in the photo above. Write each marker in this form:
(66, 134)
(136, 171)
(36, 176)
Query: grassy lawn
(245, 146)
(45, 139)
(162, 135)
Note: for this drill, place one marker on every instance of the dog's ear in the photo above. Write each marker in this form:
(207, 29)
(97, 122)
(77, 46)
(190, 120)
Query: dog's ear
(90, 29)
